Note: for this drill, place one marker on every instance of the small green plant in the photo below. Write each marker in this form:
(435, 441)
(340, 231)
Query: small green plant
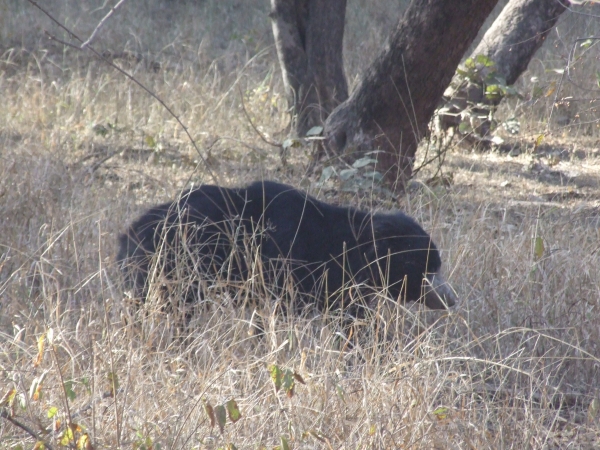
(362, 175)
(285, 379)
(218, 414)
(49, 419)
(478, 88)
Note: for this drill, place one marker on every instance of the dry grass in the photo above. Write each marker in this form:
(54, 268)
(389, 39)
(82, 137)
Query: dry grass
(83, 151)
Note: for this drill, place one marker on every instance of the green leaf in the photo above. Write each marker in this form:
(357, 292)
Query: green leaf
(362, 162)
(461, 73)
(150, 142)
(52, 411)
(288, 382)
(221, 415)
(538, 250)
(233, 411)
(276, 376)
(314, 131)
(71, 395)
(67, 437)
(346, 174)
(326, 174)
(494, 91)
(539, 140)
(484, 60)
(441, 413)
(376, 176)
(284, 444)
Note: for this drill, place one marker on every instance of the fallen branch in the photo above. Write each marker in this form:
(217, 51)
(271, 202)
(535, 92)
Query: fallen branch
(130, 77)
(5, 415)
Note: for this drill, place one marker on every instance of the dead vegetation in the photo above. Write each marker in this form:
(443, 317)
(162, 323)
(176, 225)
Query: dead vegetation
(83, 151)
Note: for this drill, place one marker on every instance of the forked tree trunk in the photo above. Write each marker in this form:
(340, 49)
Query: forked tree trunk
(511, 41)
(395, 100)
(308, 37)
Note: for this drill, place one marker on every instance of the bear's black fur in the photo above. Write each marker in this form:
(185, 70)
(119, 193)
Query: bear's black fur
(325, 247)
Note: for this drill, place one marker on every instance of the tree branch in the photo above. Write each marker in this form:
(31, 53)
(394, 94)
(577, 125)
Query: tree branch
(130, 77)
(104, 19)
(5, 415)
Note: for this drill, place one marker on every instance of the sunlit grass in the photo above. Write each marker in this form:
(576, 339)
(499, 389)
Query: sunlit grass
(83, 151)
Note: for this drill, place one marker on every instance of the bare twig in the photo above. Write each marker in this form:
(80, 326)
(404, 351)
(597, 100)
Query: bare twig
(104, 19)
(130, 77)
(5, 415)
(62, 383)
(440, 156)
(97, 164)
(60, 41)
(571, 61)
(567, 74)
(260, 134)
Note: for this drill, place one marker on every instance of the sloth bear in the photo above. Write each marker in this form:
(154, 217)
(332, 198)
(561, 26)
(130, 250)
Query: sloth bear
(218, 232)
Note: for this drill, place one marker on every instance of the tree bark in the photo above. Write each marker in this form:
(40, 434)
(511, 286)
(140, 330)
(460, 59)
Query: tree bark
(395, 100)
(511, 41)
(309, 37)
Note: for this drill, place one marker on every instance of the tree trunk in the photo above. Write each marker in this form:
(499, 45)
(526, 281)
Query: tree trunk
(309, 36)
(395, 100)
(511, 41)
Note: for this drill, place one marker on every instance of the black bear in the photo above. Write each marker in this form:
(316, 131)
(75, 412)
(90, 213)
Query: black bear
(325, 248)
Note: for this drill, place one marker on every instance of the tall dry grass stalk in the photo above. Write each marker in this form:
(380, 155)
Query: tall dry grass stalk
(82, 151)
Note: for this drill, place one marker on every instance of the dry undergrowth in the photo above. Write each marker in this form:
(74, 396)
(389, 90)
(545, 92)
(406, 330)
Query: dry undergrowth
(82, 151)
